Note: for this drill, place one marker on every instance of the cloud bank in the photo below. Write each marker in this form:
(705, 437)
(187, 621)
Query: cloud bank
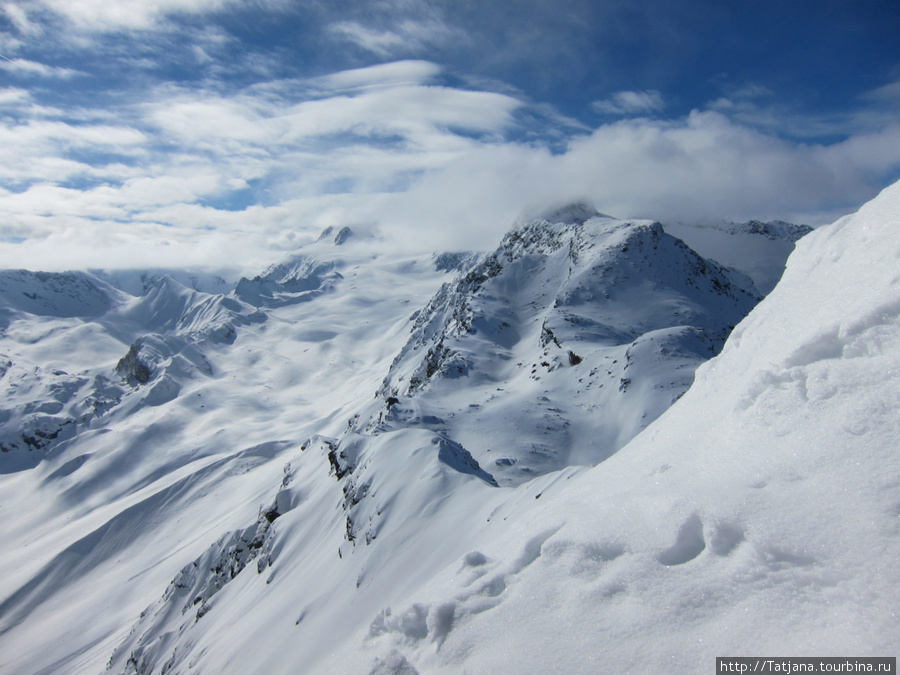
(148, 134)
(199, 178)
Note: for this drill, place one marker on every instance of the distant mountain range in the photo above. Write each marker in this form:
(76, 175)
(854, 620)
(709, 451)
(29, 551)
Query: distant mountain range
(377, 463)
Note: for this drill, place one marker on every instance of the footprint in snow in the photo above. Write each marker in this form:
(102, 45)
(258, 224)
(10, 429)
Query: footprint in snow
(688, 544)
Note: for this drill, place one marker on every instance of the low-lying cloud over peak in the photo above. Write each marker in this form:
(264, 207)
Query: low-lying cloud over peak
(171, 133)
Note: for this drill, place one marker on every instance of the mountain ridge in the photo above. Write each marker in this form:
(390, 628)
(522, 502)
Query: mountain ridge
(226, 449)
(757, 515)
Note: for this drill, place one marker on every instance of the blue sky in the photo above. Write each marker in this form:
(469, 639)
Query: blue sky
(221, 134)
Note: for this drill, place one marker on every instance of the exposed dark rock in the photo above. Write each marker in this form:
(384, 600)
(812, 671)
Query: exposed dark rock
(132, 368)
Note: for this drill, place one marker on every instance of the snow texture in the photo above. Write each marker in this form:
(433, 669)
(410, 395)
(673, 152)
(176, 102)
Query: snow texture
(450, 464)
(759, 515)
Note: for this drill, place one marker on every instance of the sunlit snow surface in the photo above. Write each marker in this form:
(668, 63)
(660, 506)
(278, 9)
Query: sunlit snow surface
(759, 515)
(268, 494)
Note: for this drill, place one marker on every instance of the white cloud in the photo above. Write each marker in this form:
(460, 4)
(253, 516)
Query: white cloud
(13, 96)
(862, 156)
(212, 122)
(9, 43)
(379, 102)
(755, 106)
(362, 133)
(51, 134)
(371, 138)
(702, 168)
(631, 103)
(381, 75)
(888, 93)
(433, 166)
(105, 15)
(752, 90)
(19, 18)
(407, 36)
(25, 67)
(381, 43)
(42, 149)
(416, 113)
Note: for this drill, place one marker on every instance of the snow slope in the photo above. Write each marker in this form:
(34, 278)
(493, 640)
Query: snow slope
(759, 516)
(372, 509)
(249, 482)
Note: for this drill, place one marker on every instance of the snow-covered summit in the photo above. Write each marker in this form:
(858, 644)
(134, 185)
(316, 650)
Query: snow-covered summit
(602, 280)
(336, 236)
(136, 282)
(774, 229)
(169, 307)
(628, 308)
(301, 278)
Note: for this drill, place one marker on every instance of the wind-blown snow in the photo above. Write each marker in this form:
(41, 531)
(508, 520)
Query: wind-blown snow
(254, 482)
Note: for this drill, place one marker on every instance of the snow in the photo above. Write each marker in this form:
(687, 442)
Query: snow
(68, 294)
(633, 310)
(272, 494)
(159, 470)
(759, 515)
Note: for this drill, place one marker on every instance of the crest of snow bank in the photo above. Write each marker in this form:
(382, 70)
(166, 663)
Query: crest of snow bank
(758, 516)
(840, 283)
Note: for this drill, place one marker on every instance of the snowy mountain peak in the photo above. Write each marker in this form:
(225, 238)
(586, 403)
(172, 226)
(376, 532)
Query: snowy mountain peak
(336, 236)
(456, 261)
(55, 294)
(773, 230)
(300, 278)
(137, 282)
(572, 213)
(755, 248)
(170, 307)
(623, 302)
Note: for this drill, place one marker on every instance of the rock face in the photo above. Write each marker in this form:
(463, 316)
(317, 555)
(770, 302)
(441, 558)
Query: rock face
(189, 596)
(338, 237)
